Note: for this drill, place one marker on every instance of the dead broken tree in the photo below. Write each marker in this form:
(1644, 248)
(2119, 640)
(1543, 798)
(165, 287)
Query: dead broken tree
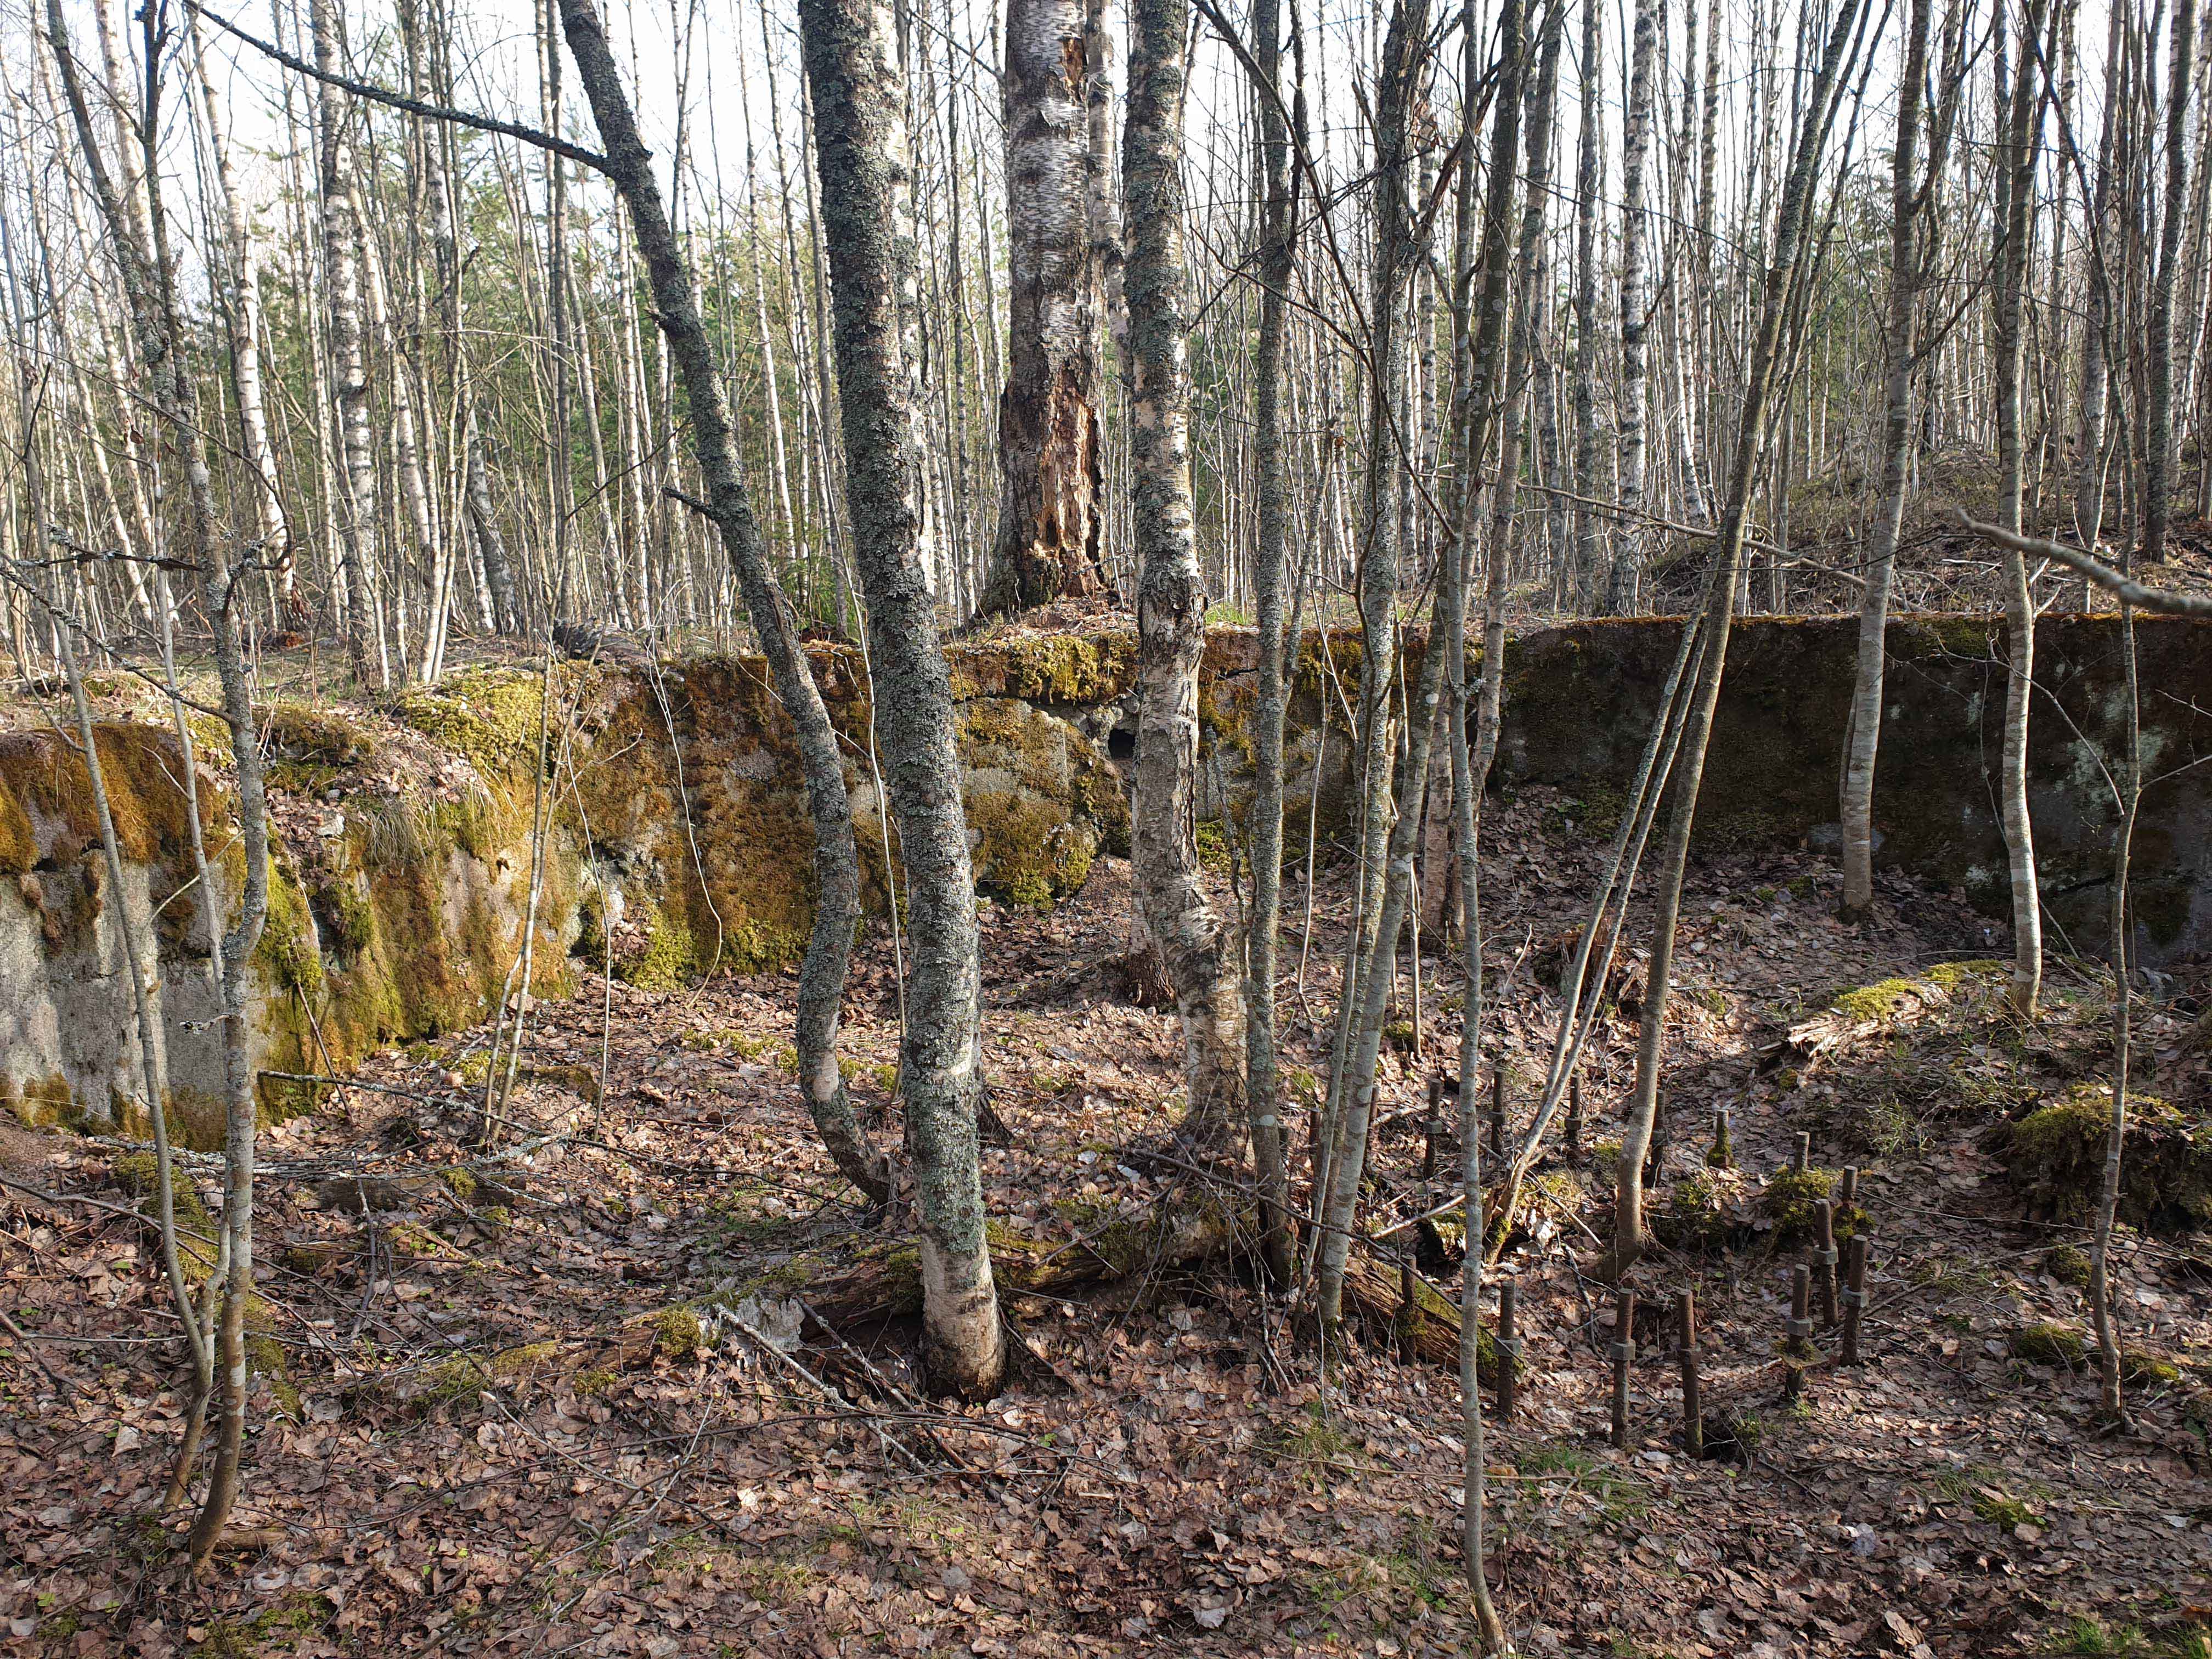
(881, 1280)
(1049, 420)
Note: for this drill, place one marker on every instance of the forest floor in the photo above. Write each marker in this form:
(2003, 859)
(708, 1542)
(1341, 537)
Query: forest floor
(502, 1426)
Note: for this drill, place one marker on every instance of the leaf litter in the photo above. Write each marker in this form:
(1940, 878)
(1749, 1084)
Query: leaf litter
(551, 1385)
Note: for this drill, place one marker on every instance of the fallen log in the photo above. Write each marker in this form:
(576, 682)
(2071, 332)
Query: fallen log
(871, 1280)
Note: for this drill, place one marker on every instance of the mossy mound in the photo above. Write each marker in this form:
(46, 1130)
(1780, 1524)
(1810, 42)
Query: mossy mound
(308, 749)
(2048, 1344)
(1791, 1202)
(2055, 1157)
(677, 1332)
(2068, 1265)
(1875, 1003)
(1888, 1000)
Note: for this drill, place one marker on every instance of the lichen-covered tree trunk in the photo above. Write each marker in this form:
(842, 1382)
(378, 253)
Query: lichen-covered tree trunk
(2009, 278)
(354, 509)
(1865, 720)
(2158, 421)
(1781, 281)
(1170, 595)
(498, 568)
(1622, 587)
(1404, 49)
(1263, 1083)
(1049, 463)
(837, 862)
(861, 150)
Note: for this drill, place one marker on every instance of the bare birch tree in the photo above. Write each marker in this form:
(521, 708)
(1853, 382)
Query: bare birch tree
(862, 147)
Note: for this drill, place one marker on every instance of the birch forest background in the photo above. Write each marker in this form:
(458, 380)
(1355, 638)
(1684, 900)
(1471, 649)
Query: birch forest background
(1234, 826)
(466, 365)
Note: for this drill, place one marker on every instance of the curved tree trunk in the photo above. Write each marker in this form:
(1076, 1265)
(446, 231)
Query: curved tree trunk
(861, 150)
(1474, 366)
(836, 863)
(157, 329)
(1781, 278)
(1369, 951)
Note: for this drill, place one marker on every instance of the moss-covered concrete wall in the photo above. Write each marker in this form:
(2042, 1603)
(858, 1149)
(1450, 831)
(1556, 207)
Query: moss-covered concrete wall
(677, 842)
(1580, 702)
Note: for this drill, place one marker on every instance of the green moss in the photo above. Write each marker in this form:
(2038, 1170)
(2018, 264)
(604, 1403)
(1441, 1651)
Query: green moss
(1025, 849)
(489, 716)
(2068, 1265)
(308, 749)
(677, 1333)
(287, 954)
(1792, 1202)
(19, 845)
(40, 1102)
(139, 1174)
(467, 1374)
(1064, 668)
(280, 1629)
(2145, 1368)
(2048, 1344)
(44, 781)
(1957, 635)
(1698, 1214)
(347, 915)
(670, 959)
(1875, 1004)
(2055, 1155)
(268, 1357)
(2004, 1511)
(1954, 977)
(1040, 801)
